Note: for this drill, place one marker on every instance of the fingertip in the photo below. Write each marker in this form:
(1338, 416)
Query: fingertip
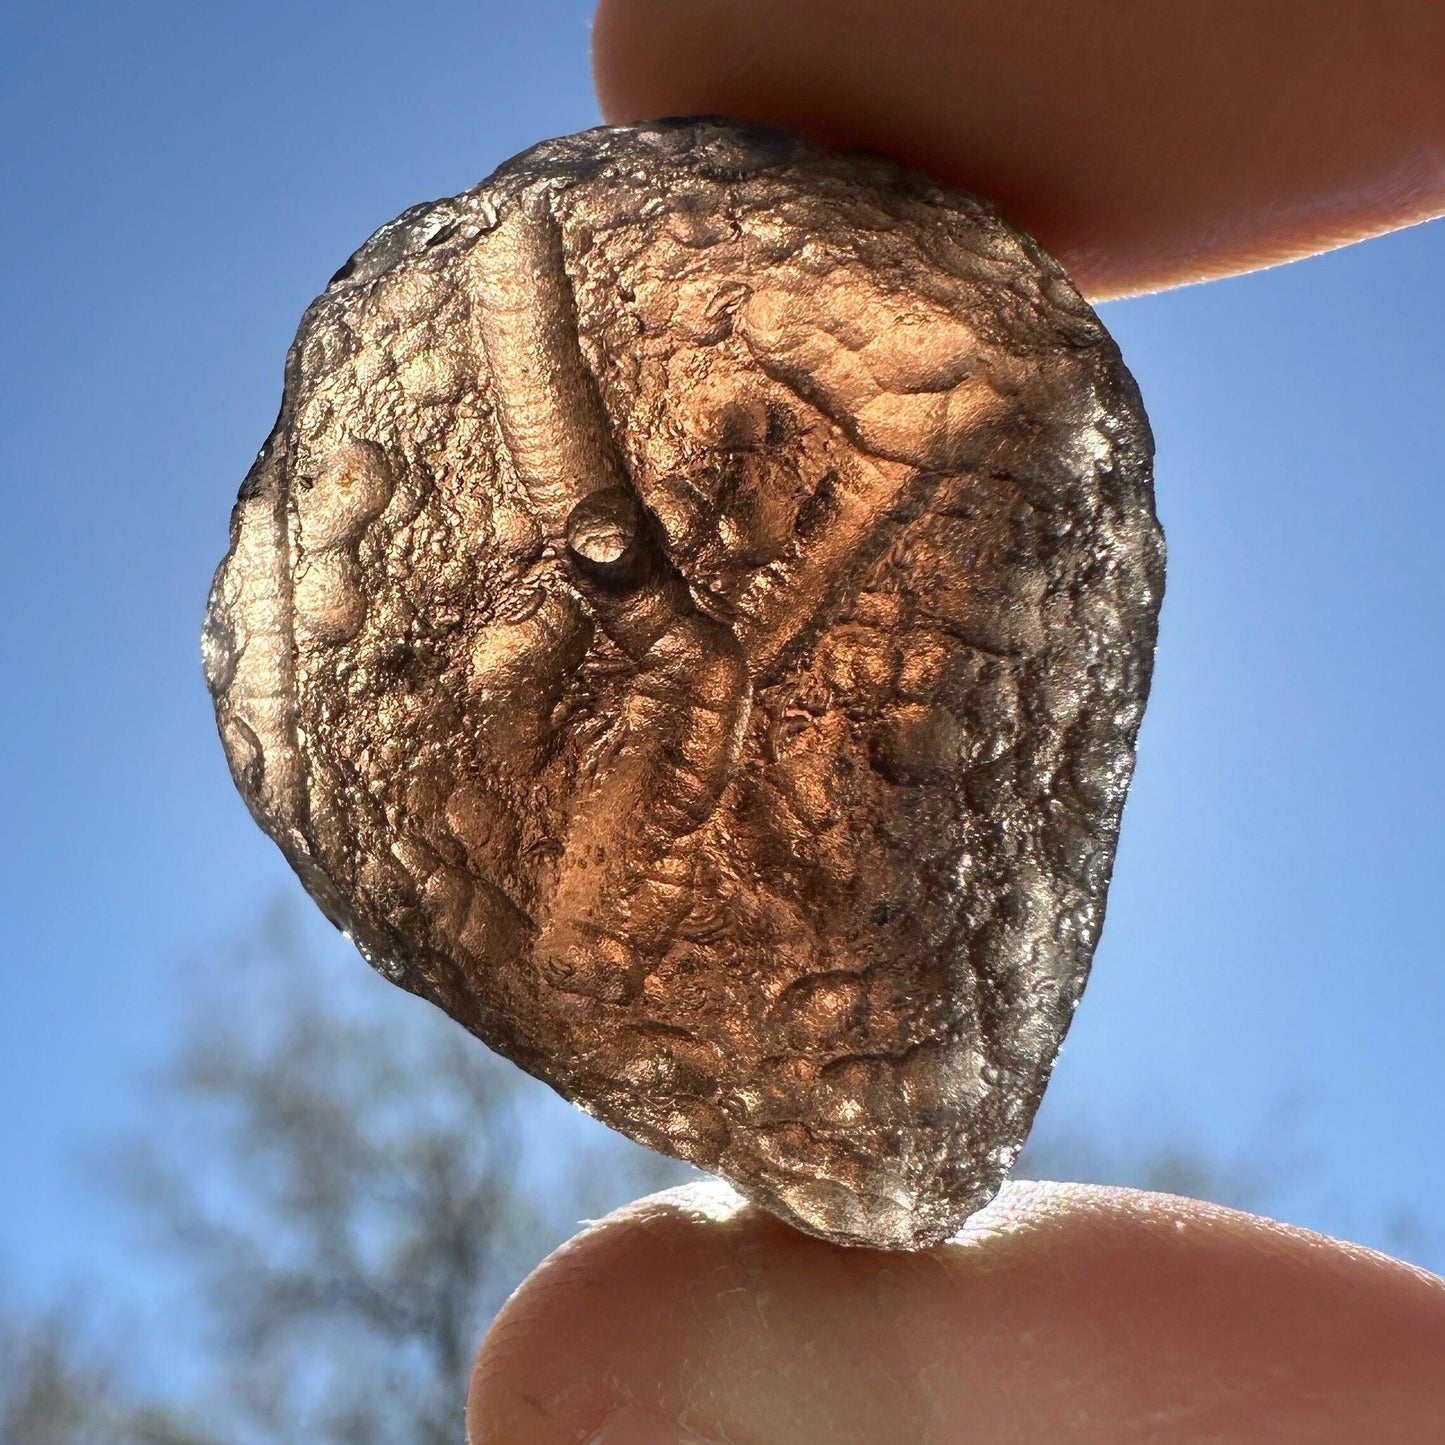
(1143, 146)
(607, 50)
(584, 1349)
(1061, 1312)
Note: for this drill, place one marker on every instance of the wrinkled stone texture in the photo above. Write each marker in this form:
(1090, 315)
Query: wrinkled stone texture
(691, 621)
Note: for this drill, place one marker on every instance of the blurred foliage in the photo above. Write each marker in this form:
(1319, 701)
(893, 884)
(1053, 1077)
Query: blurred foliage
(56, 1391)
(1259, 1175)
(351, 1186)
(357, 1185)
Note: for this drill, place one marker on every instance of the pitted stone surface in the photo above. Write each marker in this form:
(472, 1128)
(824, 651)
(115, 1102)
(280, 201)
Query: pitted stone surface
(691, 621)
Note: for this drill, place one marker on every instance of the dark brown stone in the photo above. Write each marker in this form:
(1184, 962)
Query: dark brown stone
(691, 621)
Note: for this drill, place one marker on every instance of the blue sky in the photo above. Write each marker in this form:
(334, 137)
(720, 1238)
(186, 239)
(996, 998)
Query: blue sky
(180, 180)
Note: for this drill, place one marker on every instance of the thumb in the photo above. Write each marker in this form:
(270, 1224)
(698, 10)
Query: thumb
(1061, 1313)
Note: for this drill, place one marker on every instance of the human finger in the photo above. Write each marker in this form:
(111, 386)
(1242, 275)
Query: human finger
(1062, 1313)
(1145, 145)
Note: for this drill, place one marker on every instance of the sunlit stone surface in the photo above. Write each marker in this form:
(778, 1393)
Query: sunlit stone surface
(691, 621)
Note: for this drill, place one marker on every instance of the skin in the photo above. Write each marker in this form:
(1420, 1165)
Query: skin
(1063, 1313)
(1146, 146)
